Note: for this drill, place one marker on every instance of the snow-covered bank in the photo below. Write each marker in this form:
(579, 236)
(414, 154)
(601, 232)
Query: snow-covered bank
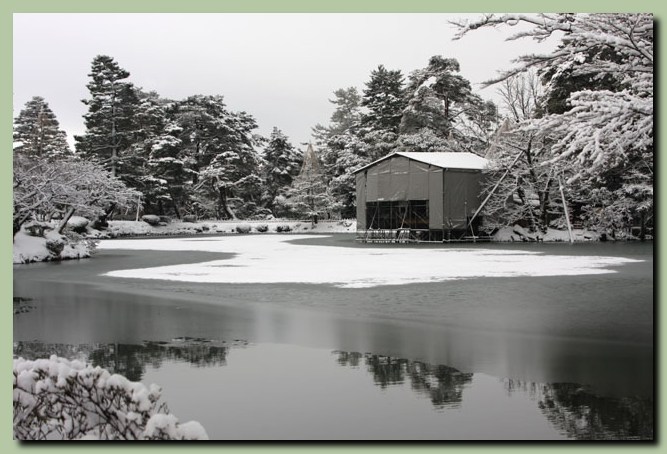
(52, 246)
(518, 233)
(273, 259)
(141, 228)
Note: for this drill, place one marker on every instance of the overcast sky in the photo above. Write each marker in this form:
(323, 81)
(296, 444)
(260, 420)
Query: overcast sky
(280, 68)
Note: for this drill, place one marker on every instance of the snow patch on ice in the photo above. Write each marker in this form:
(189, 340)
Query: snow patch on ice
(272, 259)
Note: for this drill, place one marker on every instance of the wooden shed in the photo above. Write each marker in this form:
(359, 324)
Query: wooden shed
(419, 196)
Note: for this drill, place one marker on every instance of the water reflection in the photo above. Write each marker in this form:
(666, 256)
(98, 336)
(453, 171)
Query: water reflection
(584, 415)
(22, 305)
(443, 385)
(575, 411)
(131, 360)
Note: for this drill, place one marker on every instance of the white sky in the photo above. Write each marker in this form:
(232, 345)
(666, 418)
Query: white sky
(280, 68)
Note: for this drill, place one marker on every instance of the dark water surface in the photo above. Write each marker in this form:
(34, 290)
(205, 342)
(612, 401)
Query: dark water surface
(485, 358)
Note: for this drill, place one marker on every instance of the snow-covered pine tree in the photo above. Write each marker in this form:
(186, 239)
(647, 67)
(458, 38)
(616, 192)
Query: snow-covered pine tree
(309, 194)
(110, 126)
(440, 104)
(436, 95)
(37, 132)
(225, 165)
(160, 152)
(342, 149)
(282, 163)
(384, 100)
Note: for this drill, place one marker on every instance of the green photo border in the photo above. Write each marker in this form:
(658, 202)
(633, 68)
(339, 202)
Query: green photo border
(8, 7)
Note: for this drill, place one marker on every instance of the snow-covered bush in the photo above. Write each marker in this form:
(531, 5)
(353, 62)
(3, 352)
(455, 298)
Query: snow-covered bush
(190, 218)
(59, 399)
(280, 228)
(243, 228)
(262, 228)
(151, 219)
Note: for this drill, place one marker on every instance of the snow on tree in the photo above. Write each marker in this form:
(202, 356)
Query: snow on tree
(37, 131)
(110, 125)
(225, 164)
(384, 101)
(45, 190)
(309, 195)
(282, 163)
(604, 136)
(442, 102)
(342, 149)
(523, 186)
(68, 400)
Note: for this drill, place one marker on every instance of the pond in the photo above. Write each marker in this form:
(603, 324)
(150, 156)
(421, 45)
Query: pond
(486, 358)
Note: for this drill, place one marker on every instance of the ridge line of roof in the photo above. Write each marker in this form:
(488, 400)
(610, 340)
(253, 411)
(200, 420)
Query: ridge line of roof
(415, 156)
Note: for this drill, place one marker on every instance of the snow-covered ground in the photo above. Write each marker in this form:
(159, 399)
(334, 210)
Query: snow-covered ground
(29, 249)
(273, 259)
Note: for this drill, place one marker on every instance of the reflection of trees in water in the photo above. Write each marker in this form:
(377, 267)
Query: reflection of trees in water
(22, 305)
(442, 384)
(581, 414)
(129, 360)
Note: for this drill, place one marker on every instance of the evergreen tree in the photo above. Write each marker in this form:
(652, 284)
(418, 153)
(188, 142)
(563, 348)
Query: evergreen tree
(110, 126)
(37, 132)
(309, 195)
(384, 99)
(436, 96)
(282, 163)
(224, 165)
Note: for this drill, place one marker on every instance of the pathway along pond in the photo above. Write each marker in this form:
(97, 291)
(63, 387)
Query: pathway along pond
(521, 358)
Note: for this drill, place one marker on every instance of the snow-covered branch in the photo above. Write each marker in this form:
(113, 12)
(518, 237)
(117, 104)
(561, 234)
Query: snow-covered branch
(59, 399)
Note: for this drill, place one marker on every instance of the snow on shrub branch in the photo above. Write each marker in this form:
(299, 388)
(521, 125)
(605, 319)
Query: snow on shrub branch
(59, 399)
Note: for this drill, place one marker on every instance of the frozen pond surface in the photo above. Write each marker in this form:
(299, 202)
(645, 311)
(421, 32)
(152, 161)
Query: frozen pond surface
(512, 357)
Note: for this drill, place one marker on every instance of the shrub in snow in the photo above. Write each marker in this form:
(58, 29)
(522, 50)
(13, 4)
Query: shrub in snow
(262, 228)
(37, 228)
(55, 246)
(165, 219)
(243, 228)
(189, 218)
(151, 219)
(78, 224)
(59, 399)
(283, 228)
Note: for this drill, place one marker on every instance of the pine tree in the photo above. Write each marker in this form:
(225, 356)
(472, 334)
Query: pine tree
(37, 132)
(309, 195)
(384, 99)
(282, 163)
(110, 127)
(224, 164)
(436, 96)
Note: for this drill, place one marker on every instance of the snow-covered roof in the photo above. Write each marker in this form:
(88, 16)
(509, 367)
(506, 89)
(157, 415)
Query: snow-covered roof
(444, 159)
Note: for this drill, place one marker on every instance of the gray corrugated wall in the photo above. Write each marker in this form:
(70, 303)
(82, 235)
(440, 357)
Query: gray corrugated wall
(435, 214)
(461, 197)
(361, 201)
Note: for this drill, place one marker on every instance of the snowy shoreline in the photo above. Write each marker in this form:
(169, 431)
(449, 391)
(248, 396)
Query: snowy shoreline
(55, 247)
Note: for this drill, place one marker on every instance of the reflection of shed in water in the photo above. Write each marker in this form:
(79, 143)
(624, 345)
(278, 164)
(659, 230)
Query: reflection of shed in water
(419, 196)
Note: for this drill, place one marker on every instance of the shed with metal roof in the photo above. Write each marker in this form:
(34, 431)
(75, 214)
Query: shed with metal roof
(419, 196)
